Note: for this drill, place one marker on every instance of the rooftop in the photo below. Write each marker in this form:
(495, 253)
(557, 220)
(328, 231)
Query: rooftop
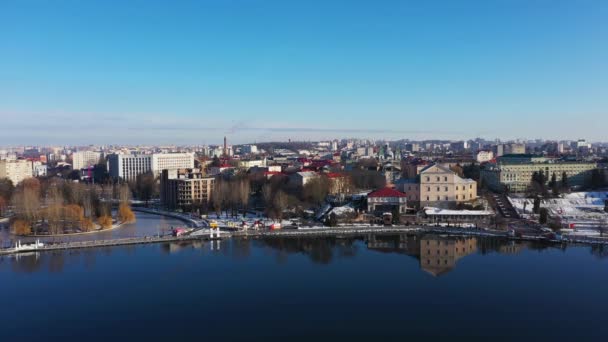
(386, 192)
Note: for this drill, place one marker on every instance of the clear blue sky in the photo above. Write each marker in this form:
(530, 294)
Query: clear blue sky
(192, 71)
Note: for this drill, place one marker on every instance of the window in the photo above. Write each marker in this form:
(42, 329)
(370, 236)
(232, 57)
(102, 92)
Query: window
(437, 188)
(446, 198)
(446, 188)
(428, 179)
(445, 179)
(438, 179)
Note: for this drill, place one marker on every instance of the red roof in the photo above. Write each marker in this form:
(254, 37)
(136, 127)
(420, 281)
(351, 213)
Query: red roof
(334, 175)
(386, 192)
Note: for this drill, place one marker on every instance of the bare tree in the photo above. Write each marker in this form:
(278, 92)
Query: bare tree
(279, 204)
(125, 214)
(217, 196)
(316, 190)
(27, 201)
(146, 186)
(54, 210)
(235, 196)
(244, 190)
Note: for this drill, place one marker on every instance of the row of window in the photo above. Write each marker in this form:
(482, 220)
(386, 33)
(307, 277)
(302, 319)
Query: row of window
(446, 198)
(445, 179)
(428, 188)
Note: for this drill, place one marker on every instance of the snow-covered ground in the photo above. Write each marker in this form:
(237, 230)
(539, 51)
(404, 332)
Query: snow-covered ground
(343, 210)
(583, 209)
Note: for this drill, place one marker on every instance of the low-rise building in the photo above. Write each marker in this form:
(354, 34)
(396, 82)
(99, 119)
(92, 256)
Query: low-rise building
(515, 176)
(410, 187)
(439, 215)
(217, 170)
(249, 149)
(300, 179)
(512, 148)
(249, 163)
(39, 170)
(484, 156)
(386, 200)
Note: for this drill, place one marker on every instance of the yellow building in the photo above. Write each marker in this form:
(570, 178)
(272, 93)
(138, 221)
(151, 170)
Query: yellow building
(439, 184)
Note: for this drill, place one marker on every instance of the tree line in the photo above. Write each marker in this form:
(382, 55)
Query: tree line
(57, 206)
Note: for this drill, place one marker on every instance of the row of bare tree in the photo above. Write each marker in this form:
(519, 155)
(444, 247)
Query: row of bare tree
(232, 194)
(55, 206)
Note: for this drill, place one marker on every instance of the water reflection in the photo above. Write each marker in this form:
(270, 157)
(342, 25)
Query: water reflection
(436, 254)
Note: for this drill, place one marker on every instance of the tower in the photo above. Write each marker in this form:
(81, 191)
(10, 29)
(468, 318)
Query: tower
(225, 147)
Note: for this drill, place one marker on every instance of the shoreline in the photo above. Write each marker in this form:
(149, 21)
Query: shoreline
(293, 233)
(114, 227)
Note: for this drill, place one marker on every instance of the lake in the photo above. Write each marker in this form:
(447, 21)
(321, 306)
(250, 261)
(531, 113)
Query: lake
(370, 287)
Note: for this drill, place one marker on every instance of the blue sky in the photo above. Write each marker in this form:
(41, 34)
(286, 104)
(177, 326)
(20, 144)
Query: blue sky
(75, 72)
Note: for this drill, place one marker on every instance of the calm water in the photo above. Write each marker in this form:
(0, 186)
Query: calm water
(389, 287)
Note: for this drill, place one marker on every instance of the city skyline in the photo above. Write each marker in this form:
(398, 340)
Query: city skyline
(190, 73)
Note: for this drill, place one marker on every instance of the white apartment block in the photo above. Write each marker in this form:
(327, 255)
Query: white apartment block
(249, 149)
(484, 156)
(84, 159)
(128, 166)
(171, 161)
(16, 170)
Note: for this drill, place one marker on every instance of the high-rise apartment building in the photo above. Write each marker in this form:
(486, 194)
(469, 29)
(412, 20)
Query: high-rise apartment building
(128, 166)
(84, 159)
(16, 170)
(185, 187)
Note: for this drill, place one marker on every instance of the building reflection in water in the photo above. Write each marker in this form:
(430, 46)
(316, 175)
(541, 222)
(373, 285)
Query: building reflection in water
(437, 254)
